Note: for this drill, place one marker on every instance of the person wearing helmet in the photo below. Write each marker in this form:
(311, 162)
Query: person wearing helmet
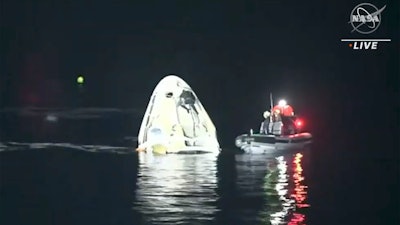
(264, 129)
(276, 117)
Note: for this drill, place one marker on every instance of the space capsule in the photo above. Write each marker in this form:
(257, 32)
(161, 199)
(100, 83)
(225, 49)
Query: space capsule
(175, 121)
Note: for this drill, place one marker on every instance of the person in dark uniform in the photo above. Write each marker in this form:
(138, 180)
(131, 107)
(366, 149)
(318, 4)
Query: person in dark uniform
(264, 129)
(276, 127)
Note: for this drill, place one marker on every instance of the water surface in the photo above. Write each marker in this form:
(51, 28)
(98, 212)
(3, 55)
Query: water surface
(79, 167)
(70, 184)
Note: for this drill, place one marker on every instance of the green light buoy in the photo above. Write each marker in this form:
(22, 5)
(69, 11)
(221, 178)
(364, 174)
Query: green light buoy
(80, 79)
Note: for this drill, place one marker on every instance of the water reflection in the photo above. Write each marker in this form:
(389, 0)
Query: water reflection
(240, 188)
(204, 189)
(257, 189)
(300, 190)
(175, 189)
(286, 191)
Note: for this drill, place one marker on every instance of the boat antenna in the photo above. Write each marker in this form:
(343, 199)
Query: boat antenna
(272, 105)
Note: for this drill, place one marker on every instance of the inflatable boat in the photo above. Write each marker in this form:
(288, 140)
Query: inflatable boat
(280, 131)
(262, 143)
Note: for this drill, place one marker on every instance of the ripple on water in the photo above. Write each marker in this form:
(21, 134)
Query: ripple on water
(198, 189)
(189, 189)
(177, 188)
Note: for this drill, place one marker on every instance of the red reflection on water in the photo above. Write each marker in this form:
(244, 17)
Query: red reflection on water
(299, 191)
(297, 219)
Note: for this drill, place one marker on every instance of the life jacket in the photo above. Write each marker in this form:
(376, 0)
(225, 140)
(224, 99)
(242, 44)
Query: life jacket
(286, 110)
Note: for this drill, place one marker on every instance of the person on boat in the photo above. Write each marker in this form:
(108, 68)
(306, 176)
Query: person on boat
(277, 116)
(286, 116)
(284, 109)
(264, 129)
(274, 125)
(289, 126)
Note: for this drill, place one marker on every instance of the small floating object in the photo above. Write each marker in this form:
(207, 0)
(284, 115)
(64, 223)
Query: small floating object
(51, 118)
(140, 149)
(80, 79)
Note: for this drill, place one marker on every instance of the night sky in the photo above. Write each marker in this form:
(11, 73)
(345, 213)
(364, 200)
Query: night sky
(232, 54)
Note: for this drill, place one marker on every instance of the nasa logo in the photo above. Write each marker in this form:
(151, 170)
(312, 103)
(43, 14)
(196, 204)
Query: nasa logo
(365, 18)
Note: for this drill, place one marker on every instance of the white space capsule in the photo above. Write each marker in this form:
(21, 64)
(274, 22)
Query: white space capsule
(175, 121)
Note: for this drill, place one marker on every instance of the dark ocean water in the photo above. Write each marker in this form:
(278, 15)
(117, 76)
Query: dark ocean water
(79, 167)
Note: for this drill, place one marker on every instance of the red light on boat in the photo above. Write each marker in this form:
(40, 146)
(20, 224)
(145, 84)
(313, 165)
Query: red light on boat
(299, 123)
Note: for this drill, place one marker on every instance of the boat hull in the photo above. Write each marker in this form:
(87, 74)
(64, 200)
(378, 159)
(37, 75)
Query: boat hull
(262, 144)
